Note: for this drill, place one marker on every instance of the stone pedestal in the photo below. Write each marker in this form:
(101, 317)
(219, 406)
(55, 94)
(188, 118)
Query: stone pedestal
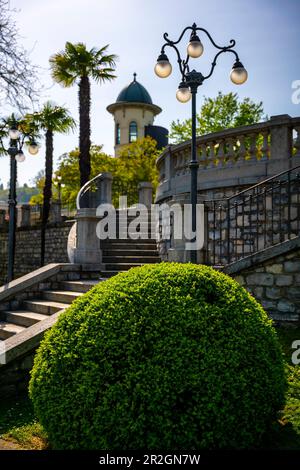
(55, 212)
(281, 144)
(145, 193)
(87, 250)
(25, 215)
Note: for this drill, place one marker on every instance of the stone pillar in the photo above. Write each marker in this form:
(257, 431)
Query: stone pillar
(145, 193)
(87, 250)
(55, 212)
(281, 144)
(2, 217)
(25, 215)
(103, 192)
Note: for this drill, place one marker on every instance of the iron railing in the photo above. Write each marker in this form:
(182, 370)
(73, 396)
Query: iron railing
(254, 219)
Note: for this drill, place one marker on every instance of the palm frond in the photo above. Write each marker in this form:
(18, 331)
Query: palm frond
(76, 61)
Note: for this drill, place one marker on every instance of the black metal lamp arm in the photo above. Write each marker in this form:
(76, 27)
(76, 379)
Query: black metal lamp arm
(214, 62)
(183, 64)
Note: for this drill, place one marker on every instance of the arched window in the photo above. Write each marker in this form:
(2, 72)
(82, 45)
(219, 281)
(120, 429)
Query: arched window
(118, 134)
(133, 132)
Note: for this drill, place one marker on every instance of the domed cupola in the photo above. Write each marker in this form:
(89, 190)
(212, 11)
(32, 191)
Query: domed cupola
(134, 114)
(134, 93)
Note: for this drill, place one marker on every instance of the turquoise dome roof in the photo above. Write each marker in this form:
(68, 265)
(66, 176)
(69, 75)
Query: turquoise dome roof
(134, 93)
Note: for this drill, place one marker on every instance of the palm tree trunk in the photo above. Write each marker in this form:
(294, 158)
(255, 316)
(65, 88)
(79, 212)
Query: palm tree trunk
(84, 130)
(47, 192)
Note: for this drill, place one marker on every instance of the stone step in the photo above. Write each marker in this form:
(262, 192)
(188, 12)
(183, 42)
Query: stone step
(66, 297)
(46, 307)
(22, 317)
(107, 274)
(113, 258)
(129, 252)
(79, 286)
(130, 245)
(121, 266)
(9, 329)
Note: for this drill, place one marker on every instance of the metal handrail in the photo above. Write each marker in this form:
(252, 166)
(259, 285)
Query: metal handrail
(85, 188)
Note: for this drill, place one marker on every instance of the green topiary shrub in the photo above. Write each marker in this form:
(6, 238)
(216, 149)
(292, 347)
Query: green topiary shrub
(166, 356)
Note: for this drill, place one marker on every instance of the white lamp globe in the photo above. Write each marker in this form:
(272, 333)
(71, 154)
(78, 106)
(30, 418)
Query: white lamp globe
(20, 157)
(238, 74)
(14, 134)
(195, 47)
(33, 148)
(163, 68)
(183, 94)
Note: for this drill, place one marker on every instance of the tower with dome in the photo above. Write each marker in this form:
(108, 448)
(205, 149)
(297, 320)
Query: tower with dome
(134, 114)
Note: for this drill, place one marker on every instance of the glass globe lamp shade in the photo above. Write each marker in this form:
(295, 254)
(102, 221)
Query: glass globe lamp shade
(183, 94)
(195, 47)
(14, 134)
(238, 74)
(163, 68)
(20, 157)
(33, 148)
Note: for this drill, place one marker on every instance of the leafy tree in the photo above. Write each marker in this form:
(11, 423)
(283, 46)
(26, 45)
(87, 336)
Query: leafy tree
(18, 78)
(51, 119)
(77, 64)
(136, 163)
(68, 170)
(217, 114)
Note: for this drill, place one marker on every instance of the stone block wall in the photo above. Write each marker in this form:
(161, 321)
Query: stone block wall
(276, 285)
(28, 248)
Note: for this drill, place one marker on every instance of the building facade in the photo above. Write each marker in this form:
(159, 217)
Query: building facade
(134, 114)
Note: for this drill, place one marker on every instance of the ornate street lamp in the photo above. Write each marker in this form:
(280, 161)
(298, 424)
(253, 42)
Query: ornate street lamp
(187, 89)
(18, 138)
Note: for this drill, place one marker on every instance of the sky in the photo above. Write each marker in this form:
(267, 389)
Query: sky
(267, 41)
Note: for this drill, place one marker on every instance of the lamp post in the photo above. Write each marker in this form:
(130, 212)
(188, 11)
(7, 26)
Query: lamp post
(187, 89)
(15, 151)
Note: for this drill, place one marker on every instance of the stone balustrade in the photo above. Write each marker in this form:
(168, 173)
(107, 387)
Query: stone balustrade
(240, 156)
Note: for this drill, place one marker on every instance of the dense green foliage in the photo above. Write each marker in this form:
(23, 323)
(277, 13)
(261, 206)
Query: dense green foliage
(165, 356)
(217, 114)
(135, 163)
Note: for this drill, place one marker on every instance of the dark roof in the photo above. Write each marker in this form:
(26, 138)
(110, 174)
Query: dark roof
(134, 93)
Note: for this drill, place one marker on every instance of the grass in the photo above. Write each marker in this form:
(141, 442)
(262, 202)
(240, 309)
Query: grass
(19, 425)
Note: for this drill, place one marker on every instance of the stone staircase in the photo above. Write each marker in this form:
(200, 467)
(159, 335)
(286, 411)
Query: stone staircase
(13, 322)
(118, 255)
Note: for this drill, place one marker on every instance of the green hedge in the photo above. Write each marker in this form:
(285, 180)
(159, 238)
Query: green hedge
(167, 356)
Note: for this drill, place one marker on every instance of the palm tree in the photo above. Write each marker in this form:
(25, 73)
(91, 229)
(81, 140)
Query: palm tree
(50, 119)
(76, 64)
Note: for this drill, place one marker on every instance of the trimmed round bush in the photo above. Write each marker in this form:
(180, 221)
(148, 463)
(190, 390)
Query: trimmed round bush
(167, 356)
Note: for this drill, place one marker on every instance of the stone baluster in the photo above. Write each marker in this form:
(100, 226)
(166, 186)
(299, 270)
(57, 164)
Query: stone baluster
(265, 145)
(230, 155)
(203, 155)
(242, 148)
(211, 154)
(221, 153)
(253, 147)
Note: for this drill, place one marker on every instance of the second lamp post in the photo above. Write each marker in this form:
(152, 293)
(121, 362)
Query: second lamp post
(187, 89)
(15, 150)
